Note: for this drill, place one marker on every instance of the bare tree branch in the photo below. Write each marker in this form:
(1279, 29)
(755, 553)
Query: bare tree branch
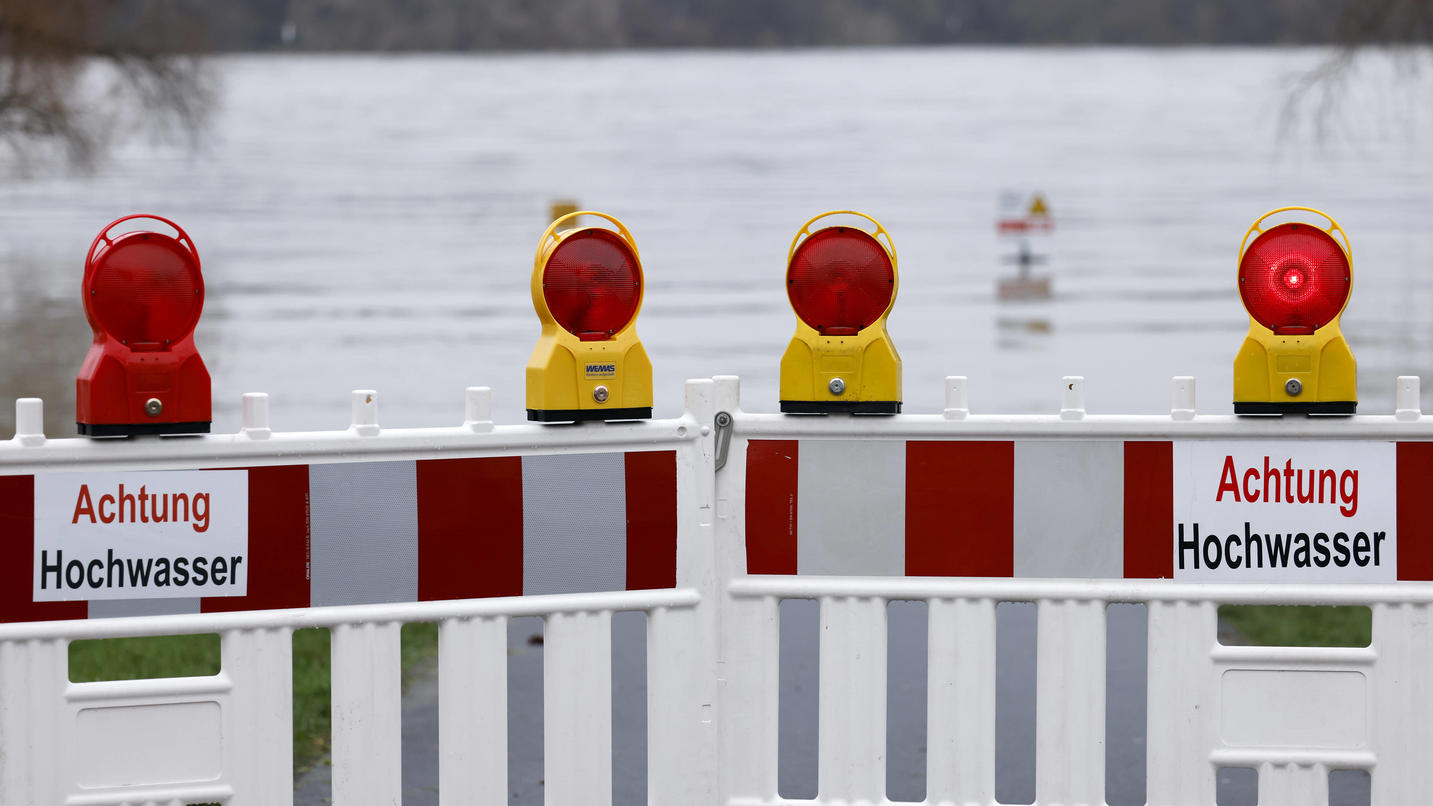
(1386, 26)
(72, 70)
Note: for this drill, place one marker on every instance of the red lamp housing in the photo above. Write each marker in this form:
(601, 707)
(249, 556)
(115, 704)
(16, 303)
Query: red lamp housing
(840, 280)
(1294, 279)
(143, 294)
(591, 284)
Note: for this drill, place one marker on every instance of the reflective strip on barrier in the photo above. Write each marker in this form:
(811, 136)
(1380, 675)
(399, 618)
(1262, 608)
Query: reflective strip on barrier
(405, 531)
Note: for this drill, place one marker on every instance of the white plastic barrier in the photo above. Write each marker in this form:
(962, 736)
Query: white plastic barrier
(227, 738)
(855, 513)
(962, 511)
(1292, 713)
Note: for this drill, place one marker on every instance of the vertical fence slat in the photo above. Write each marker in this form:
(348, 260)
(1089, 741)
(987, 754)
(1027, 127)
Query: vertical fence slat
(679, 708)
(1070, 702)
(1402, 702)
(749, 697)
(960, 765)
(33, 675)
(852, 744)
(1181, 702)
(367, 714)
(577, 709)
(473, 712)
(259, 716)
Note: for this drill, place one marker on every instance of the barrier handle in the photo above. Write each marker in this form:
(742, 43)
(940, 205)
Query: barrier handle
(805, 232)
(1255, 230)
(183, 237)
(550, 234)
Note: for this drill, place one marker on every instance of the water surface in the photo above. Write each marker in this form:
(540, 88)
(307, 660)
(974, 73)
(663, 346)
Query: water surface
(370, 221)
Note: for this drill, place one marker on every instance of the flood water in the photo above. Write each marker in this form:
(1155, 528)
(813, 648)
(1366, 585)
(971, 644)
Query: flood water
(369, 222)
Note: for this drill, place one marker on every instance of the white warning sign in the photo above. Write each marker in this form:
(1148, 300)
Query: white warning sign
(1285, 511)
(155, 535)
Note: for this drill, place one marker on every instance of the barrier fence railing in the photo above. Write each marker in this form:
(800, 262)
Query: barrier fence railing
(706, 522)
(360, 532)
(1076, 512)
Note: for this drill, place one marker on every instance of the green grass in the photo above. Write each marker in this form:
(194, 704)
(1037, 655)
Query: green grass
(198, 655)
(420, 643)
(1278, 625)
(312, 685)
(141, 658)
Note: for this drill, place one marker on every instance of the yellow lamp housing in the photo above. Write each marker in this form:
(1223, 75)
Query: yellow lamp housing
(588, 363)
(841, 282)
(1294, 280)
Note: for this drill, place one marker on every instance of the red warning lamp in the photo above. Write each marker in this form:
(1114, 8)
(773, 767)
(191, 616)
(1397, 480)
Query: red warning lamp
(840, 281)
(592, 284)
(143, 294)
(1294, 279)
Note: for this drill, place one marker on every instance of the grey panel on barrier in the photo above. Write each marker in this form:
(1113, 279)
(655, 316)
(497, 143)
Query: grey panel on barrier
(364, 533)
(574, 523)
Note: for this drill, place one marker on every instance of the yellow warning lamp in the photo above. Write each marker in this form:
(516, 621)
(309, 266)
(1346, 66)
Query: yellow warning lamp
(588, 363)
(1294, 280)
(841, 281)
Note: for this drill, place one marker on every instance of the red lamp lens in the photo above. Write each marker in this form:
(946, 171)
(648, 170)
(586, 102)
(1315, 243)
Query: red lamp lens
(1294, 279)
(591, 284)
(840, 281)
(146, 291)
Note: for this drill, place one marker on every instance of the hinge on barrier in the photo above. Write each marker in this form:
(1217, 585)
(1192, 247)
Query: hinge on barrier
(723, 438)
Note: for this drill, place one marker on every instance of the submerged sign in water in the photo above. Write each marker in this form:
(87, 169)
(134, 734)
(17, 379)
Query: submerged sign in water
(1310, 511)
(152, 535)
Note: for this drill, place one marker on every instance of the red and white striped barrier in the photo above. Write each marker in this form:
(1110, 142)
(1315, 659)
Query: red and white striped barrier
(706, 523)
(1086, 508)
(384, 532)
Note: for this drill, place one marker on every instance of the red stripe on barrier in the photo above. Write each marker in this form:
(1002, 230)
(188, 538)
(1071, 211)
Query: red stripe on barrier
(469, 528)
(771, 468)
(17, 541)
(1415, 519)
(651, 483)
(278, 543)
(1149, 510)
(960, 509)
